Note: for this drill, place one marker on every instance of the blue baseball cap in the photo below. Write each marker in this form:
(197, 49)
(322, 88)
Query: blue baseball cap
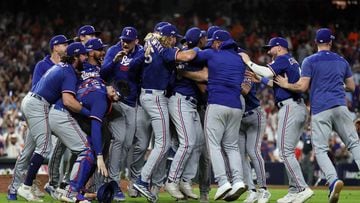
(87, 30)
(211, 31)
(95, 44)
(169, 30)
(59, 39)
(193, 35)
(277, 41)
(159, 25)
(76, 48)
(128, 34)
(220, 35)
(324, 35)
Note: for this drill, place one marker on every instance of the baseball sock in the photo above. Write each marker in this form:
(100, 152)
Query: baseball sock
(34, 166)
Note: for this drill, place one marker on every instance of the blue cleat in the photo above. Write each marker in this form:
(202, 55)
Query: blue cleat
(119, 196)
(11, 196)
(335, 189)
(143, 188)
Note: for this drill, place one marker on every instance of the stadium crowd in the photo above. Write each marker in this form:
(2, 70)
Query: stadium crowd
(24, 38)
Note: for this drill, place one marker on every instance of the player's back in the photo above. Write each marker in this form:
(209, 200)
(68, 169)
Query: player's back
(54, 81)
(158, 67)
(327, 71)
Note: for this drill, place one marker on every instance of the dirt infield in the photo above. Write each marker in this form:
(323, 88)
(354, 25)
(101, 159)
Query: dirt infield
(6, 179)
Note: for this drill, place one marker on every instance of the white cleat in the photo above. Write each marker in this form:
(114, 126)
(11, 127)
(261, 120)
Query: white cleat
(173, 189)
(25, 192)
(237, 190)
(263, 196)
(252, 197)
(222, 191)
(289, 197)
(304, 195)
(186, 189)
(36, 189)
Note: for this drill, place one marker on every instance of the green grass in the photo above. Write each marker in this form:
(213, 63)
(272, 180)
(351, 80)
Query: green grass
(347, 196)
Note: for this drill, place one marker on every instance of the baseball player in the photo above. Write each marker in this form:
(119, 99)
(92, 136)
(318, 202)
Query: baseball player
(329, 76)
(117, 67)
(60, 81)
(252, 129)
(58, 46)
(143, 134)
(290, 125)
(91, 70)
(224, 112)
(95, 96)
(158, 65)
(183, 113)
(85, 33)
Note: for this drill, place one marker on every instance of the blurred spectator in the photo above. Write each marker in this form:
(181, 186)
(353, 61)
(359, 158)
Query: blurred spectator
(342, 155)
(307, 159)
(267, 150)
(13, 147)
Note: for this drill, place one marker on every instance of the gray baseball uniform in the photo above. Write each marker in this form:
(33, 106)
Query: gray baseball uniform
(22, 164)
(183, 113)
(327, 72)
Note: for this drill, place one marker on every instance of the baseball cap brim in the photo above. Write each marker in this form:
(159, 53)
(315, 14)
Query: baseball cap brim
(96, 33)
(127, 38)
(179, 36)
(267, 47)
(183, 40)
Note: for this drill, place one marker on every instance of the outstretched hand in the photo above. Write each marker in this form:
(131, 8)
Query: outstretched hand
(101, 166)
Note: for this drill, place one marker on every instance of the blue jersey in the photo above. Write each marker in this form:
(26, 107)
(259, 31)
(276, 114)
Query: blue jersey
(40, 69)
(158, 66)
(90, 71)
(327, 71)
(226, 73)
(60, 78)
(123, 70)
(285, 64)
(93, 96)
(251, 101)
(184, 85)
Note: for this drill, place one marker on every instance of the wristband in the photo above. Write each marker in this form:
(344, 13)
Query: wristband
(85, 112)
(264, 80)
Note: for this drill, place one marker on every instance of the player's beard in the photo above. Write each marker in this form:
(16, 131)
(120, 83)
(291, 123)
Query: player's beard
(79, 65)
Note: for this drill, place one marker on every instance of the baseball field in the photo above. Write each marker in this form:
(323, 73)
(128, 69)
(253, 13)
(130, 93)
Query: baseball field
(347, 196)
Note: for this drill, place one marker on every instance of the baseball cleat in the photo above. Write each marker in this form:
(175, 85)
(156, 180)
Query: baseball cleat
(263, 196)
(237, 190)
(25, 192)
(304, 195)
(222, 191)
(289, 197)
(335, 189)
(252, 197)
(186, 189)
(173, 189)
(143, 188)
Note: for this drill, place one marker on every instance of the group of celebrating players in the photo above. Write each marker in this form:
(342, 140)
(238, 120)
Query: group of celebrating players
(196, 97)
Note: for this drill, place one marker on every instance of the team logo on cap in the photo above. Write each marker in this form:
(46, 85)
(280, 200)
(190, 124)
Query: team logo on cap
(76, 50)
(90, 46)
(128, 32)
(56, 41)
(82, 32)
